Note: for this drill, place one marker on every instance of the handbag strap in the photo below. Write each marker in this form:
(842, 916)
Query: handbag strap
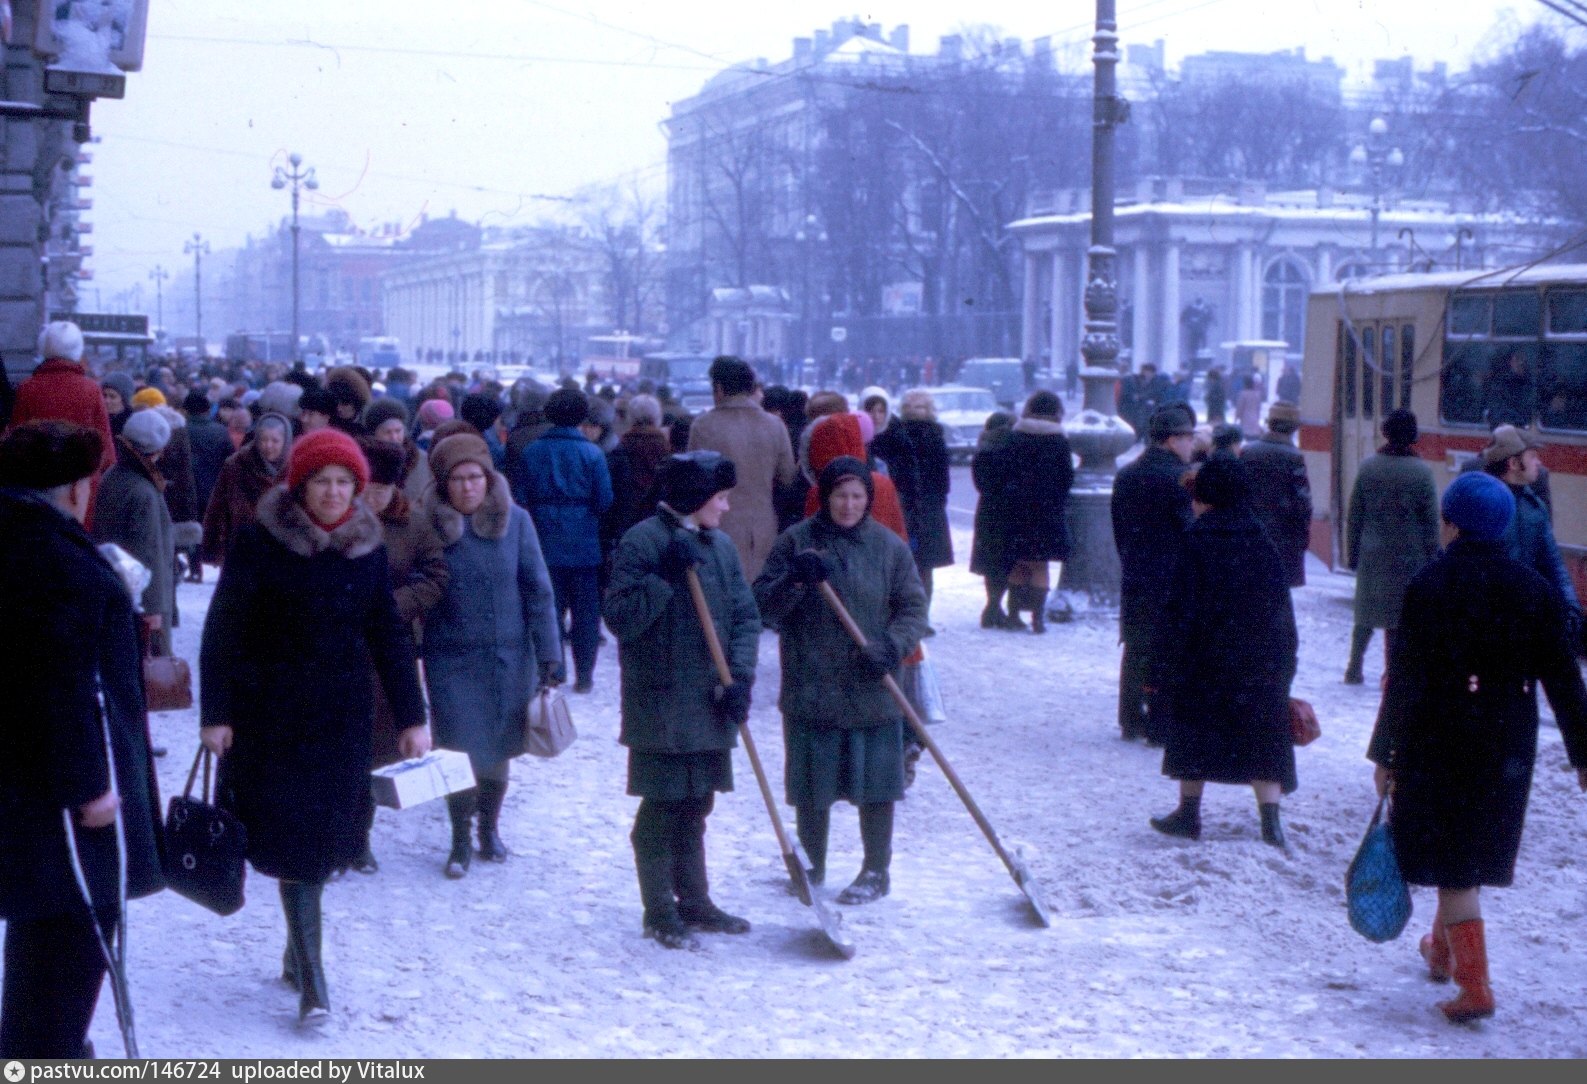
(192, 775)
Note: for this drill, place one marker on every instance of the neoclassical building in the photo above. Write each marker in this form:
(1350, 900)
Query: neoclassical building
(1200, 265)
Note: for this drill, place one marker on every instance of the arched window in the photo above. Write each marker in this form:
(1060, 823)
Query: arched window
(1284, 289)
(1352, 270)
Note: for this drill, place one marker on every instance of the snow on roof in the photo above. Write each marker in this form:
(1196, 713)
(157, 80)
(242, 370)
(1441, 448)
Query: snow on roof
(1476, 278)
(861, 47)
(1226, 207)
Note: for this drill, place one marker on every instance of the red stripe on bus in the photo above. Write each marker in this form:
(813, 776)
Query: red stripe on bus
(1558, 458)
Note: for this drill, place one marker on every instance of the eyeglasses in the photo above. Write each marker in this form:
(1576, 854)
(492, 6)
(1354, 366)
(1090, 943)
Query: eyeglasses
(467, 479)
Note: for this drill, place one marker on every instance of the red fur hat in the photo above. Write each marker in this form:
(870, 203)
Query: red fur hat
(326, 448)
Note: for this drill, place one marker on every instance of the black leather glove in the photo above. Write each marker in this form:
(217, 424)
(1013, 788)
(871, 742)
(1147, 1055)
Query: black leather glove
(813, 566)
(878, 658)
(682, 553)
(731, 702)
(552, 673)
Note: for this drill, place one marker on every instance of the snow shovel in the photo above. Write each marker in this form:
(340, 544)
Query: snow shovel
(1016, 866)
(793, 855)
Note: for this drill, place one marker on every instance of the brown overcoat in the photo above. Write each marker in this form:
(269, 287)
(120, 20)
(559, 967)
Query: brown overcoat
(758, 445)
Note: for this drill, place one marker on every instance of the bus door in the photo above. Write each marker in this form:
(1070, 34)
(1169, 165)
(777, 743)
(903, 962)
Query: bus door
(1374, 369)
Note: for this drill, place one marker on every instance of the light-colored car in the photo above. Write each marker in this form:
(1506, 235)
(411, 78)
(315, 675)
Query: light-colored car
(962, 411)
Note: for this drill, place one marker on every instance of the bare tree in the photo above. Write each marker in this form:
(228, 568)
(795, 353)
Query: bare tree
(623, 223)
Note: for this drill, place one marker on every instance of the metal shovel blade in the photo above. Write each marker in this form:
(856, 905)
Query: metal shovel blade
(831, 924)
(1028, 885)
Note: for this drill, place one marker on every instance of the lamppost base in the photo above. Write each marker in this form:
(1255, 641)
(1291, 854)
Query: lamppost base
(1089, 581)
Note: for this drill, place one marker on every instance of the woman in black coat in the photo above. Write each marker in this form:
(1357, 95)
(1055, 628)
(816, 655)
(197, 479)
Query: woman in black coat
(843, 733)
(1456, 736)
(679, 722)
(916, 454)
(1224, 657)
(69, 635)
(988, 549)
(1035, 472)
(303, 604)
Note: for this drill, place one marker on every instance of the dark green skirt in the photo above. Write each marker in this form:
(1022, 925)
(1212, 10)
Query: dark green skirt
(678, 777)
(826, 764)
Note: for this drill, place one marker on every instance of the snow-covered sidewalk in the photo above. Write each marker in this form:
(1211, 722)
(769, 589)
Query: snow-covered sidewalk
(1159, 947)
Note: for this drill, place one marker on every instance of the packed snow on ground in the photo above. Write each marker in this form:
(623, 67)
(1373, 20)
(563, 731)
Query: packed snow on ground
(1159, 947)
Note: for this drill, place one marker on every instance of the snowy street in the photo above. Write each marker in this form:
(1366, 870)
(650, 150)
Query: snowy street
(1223, 948)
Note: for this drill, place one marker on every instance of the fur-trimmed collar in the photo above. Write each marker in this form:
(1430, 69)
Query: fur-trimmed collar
(290, 524)
(490, 521)
(1041, 427)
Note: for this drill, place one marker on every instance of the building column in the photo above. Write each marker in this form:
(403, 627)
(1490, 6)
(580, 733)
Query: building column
(1030, 318)
(1140, 254)
(1059, 291)
(1245, 292)
(1325, 265)
(1171, 361)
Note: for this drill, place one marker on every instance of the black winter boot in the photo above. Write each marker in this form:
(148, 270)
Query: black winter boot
(654, 829)
(491, 796)
(1184, 822)
(812, 825)
(992, 617)
(460, 808)
(1360, 637)
(300, 902)
(1272, 827)
(870, 886)
(694, 896)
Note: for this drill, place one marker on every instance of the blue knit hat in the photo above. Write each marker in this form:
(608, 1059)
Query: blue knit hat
(1480, 505)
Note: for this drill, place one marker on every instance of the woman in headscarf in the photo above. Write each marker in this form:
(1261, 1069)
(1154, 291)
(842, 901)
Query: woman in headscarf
(117, 390)
(843, 734)
(491, 641)
(244, 478)
(303, 605)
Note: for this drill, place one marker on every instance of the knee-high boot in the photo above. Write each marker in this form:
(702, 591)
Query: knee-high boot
(492, 794)
(300, 902)
(652, 838)
(1470, 968)
(460, 808)
(1360, 637)
(689, 879)
(813, 824)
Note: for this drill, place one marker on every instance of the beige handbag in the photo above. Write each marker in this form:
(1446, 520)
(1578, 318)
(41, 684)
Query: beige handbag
(549, 728)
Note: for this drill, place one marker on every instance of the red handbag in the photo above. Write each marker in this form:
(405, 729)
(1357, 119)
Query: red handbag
(1303, 725)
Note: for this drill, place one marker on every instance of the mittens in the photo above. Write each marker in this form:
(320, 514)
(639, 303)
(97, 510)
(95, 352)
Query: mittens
(813, 566)
(731, 703)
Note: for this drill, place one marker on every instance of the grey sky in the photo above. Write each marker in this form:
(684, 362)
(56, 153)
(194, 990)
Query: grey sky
(404, 114)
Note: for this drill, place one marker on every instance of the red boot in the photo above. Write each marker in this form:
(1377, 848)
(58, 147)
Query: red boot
(1470, 969)
(1435, 950)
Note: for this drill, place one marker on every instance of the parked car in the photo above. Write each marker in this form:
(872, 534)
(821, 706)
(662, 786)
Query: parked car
(1004, 376)
(962, 412)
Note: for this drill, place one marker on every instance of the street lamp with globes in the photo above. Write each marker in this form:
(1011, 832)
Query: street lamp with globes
(1373, 156)
(297, 179)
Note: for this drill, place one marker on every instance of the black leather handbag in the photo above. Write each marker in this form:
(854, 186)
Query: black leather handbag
(206, 847)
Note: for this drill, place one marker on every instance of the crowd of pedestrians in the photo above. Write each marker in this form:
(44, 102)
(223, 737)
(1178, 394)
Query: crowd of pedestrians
(362, 528)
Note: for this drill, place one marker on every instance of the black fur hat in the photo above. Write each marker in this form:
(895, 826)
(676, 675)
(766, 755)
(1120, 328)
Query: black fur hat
(689, 479)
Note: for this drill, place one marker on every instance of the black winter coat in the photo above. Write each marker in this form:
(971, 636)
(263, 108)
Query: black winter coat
(1037, 472)
(1224, 655)
(296, 620)
(668, 677)
(69, 633)
(916, 454)
(1281, 500)
(1151, 511)
(211, 447)
(1458, 724)
(989, 549)
(824, 681)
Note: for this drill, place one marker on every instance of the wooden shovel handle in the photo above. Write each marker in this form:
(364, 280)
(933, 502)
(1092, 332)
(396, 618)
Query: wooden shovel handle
(847, 621)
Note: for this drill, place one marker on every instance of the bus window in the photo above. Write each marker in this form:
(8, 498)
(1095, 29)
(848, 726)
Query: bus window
(1509, 393)
(1517, 313)
(1386, 362)
(1460, 396)
(1347, 367)
(1567, 312)
(1407, 363)
(1470, 315)
(1369, 354)
(1563, 386)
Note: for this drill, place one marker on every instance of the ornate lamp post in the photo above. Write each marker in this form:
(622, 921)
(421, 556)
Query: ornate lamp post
(1090, 578)
(807, 236)
(198, 248)
(297, 179)
(1373, 156)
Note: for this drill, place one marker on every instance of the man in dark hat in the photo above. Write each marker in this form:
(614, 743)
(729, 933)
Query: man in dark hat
(1151, 509)
(679, 721)
(1514, 458)
(1280, 490)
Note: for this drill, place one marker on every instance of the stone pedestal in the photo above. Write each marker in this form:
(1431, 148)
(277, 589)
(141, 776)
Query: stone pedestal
(1089, 582)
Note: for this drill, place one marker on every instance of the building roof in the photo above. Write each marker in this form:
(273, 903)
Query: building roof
(1494, 277)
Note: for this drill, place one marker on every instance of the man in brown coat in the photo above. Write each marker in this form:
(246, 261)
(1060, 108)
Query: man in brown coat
(758, 445)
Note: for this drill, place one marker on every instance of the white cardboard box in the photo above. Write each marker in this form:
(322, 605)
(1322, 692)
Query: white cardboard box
(412, 782)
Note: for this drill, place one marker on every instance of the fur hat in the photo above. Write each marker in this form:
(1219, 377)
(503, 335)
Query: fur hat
(479, 410)
(689, 479)
(1509, 441)
(385, 461)
(323, 448)
(196, 402)
(1283, 418)
(280, 397)
(319, 400)
(1044, 404)
(148, 397)
(1479, 505)
(45, 454)
(453, 451)
(1222, 482)
(384, 410)
(566, 407)
(147, 431)
(348, 386)
(61, 339)
(1400, 428)
(1169, 421)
